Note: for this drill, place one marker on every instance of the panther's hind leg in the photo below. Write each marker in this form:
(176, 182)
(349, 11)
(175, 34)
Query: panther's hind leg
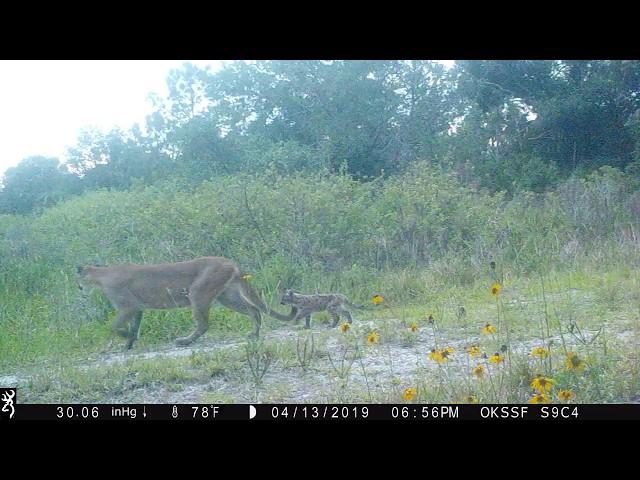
(124, 316)
(134, 333)
(201, 294)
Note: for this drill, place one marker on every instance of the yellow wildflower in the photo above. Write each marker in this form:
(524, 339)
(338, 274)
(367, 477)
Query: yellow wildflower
(542, 384)
(436, 356)
(540, 398)
(487, 329)
(565, 395)
(540, 352)
(409, 393)
(496, 358)
(474, 351)
(573, 362)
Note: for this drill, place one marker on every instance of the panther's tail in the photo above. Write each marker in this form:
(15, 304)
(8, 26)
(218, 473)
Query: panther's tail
(279, 316)
(255, 298)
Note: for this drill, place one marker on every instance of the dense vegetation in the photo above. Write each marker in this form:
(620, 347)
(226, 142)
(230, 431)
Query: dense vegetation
(397, 177)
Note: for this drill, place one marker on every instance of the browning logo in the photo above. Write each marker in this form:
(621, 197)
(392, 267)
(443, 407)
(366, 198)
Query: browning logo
(7, 400)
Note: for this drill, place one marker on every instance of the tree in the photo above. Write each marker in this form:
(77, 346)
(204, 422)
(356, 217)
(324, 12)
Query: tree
(581, 108)
(185, 131)
(36, 182)
(371, 115)
(114, 159)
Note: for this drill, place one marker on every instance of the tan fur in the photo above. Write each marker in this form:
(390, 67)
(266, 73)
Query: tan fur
(195, 283)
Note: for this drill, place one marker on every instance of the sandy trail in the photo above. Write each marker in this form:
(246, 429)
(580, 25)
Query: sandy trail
(383, 371)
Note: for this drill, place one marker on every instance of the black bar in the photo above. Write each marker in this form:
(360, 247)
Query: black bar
(407, 413)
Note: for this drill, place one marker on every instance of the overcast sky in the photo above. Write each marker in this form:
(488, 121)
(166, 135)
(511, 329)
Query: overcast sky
(44, 104)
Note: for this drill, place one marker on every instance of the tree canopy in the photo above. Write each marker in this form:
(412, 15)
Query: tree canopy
(499, 125)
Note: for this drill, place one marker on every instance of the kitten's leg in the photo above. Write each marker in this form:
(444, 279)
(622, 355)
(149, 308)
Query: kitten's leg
(297, 316)
(346, 314)
(336, 319)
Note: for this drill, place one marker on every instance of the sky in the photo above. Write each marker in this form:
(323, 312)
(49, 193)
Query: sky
(44, 104)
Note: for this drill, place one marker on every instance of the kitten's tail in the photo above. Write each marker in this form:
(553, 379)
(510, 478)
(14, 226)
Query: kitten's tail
(359, 307)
